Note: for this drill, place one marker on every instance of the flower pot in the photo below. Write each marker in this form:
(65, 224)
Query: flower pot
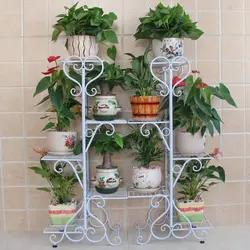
(145, 107)
(187, 143)
(61, 143)
(107, 180)
(147, 179)
(60, 214)
(193, 210)
(168, 47)
(82, 46)
(105, 108)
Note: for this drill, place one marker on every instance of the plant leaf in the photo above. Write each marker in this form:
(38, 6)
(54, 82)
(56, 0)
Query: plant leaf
(118, 140)
(44, 189)
(110, 36)
(112, 53)
(43, 84)
(49, 126)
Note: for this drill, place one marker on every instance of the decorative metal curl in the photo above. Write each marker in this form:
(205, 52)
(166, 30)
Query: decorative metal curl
(203, 234)
(79, 167)
(53, 238)
(177, 168)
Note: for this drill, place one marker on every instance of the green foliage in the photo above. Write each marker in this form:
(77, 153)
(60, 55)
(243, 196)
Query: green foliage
(60, 186)
(139, 77)
(86, 21)
(167, 22)
(146, 148)
(193, 184)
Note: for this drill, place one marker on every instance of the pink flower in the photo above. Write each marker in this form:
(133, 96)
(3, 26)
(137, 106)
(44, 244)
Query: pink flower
(216, 152)
(195, 72)
(40, 151)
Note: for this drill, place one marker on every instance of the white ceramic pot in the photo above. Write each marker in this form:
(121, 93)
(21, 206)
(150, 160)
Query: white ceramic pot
(168, 47)
(107, 180)
(146, 179)
(105, 108)
(61, 143)
(82, 46)
(186, 143)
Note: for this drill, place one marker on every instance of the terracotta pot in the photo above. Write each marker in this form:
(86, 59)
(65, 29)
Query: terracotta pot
(145, 107)
(187, 143)
(62, 213)
(61, 143)
(193, 211)
(168, 47)
(146, 179)
(83, 46)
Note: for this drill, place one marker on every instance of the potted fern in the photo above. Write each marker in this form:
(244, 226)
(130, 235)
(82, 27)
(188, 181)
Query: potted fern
(146, 175)
(145, 103)
(192, 184)
(85, 28)
(62, 206)
(167, 27)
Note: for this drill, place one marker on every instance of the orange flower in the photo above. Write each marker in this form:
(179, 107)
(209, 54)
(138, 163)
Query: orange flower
(201, 85)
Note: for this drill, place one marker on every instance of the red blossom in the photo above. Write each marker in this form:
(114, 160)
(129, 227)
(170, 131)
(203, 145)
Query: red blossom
(53, 58)
(216, 152)
(195, 72)
(178, 82)
(201, 85)
(50, 70)
(40, 151)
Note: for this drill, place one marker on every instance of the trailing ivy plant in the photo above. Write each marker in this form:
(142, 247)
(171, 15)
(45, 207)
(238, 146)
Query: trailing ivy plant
(167, 22)
(86, 21)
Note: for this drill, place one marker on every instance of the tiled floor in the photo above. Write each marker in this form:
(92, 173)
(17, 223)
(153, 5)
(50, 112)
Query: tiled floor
(221, 238)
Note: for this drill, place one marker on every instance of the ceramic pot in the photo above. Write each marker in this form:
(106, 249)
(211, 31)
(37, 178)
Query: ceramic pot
(168, 47)
(187, 143)
(60, 214)
(193, 210)
(146, 179)
(107, 180)
(145, 107)
(82, 46)
(105, 108)
(61, 143)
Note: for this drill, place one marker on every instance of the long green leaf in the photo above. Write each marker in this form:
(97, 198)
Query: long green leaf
(57, 98)
(42, 85)
(118, 140)
(44, 189)
(43, 100)
(226, 94)
(49, 126)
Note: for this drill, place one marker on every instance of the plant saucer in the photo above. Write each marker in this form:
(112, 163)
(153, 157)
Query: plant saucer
(146, 190)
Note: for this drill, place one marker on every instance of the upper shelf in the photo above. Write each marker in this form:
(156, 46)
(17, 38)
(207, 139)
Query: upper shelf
(126, 121)
(186, 157)
(50, 157)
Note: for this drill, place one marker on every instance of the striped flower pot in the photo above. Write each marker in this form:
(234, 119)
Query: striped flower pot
(145, 107)
(60, 214)
(192, 210)
(83, 46)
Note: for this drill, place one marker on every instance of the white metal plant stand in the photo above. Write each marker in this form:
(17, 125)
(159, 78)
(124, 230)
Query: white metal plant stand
(164, 224)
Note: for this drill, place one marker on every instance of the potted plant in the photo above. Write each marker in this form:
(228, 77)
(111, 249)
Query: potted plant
(85, 28)
(147, 175)
(105, 106)
(194, 113)
(107, 178)
(62, 206)
(145, 104)
(192, 184)
(60, 139)
(167, 26)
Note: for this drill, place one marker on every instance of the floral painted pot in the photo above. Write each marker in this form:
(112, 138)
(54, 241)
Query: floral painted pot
(60, 214)
(145, 107)
(82, 46)
(105, 108)
(107, 180)
(187, 143)
(193, 210)
(168, 47)
(146, 179)
(61, 143)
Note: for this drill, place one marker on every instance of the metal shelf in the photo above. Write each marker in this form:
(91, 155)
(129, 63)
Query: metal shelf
(125, 121)
(50, 157)
(185, 157)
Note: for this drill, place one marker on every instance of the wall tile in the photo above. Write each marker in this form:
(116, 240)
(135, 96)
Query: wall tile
(234, 169)
(132, 5)
(187, 4)
(238, 93)
(213, 214)
(10, 80)
(153, 3)
(189, 49)
(209, 72)
(232, 72)
(10, 25)
(208, 22)
(247, 209)
(131, 21)
(233, 145)
(38, 199)
(15, 198)
(247, 169)
(11, 100)
(208, 48)
(233, 125)
(213, 197)
(34, 125)
(11, 125)
(232, 5)
(247, 192)
(31, 144)
(38, 220)
(13, 174)
(232, 23)
(10, 7)
(16, 221)
(34, 179)
(228, 213)
(232, 48)
(13, 55)
(13, 150)
(208, 5)
(131, 46)
(232, 193)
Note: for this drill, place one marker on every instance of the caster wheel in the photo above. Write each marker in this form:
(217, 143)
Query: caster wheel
(54, 246)
(202, 242)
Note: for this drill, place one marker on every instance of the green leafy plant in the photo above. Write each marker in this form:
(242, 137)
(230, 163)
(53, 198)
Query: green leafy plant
(58, 86)
(193, 110)
(86, 21)
(193, 184)
(167, 22)
(60, 186)
(146, 149)
(139, 77)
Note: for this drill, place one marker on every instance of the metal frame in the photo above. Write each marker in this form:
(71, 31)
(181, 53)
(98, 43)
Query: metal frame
(90, 226)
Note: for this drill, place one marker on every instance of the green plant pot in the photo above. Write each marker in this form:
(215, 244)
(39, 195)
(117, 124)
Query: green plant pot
(106, 190)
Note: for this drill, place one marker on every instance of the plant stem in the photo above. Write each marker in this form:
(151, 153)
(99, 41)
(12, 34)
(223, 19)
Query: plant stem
(105, 89)
(106, 162)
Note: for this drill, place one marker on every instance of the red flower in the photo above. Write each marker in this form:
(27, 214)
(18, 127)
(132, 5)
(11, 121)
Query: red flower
(53, 58)
(216, 152)
(178, 80)
(195, 72)
(40, 151)
(50, 70)
(201, 85)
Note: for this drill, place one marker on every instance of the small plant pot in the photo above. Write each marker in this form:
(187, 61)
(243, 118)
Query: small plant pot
(193, 211)
(107, 180)
(105, 108)
(145, 107)
(168, 47)
(147, 179)
(61, 143)
(82, 46)
(60, 214)
(186, 143)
